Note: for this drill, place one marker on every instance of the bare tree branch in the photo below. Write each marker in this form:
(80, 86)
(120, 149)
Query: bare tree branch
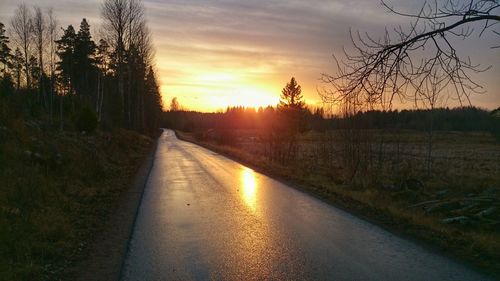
(380, 71)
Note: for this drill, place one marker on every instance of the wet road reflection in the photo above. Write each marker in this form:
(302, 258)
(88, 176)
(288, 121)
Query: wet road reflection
(249, 185)
(205, 217)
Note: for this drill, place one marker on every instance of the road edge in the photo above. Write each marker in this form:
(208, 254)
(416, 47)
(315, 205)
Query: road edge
(109, 249)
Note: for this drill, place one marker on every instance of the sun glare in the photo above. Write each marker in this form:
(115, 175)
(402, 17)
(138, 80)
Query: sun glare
(247, 97)
(213, 91)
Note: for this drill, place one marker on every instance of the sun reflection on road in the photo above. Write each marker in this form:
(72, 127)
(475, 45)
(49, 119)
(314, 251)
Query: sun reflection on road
(249, 185)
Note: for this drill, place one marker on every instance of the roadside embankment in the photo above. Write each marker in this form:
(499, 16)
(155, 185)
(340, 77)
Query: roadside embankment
(59, 192)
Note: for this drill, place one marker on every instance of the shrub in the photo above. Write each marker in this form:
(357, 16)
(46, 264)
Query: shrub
(86, 120)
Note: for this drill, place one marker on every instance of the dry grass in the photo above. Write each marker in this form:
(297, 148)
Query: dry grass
(56, 189)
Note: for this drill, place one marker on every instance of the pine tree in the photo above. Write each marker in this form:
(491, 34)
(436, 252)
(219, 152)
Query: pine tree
(291, 96)
(292, 109)
(65, 51)
(84, 59)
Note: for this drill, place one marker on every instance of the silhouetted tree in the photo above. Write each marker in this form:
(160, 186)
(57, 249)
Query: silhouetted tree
(17, 67)
(291, 96)
(103, 61)
(23, 36)
(84, 63)
(66, 64)
(52, 52)
(378, 71)
(4, 50)
(39, 34)
(153, 104)
(292, 112)
(174, 104)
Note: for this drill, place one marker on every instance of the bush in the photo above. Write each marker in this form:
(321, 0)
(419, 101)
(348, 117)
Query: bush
(86, 120)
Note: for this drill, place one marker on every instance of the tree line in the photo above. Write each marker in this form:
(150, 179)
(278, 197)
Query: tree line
(66, 76)
(279, 127)
(465, 119)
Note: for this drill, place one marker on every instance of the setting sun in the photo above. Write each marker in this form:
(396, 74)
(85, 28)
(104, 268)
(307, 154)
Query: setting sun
(248, 97)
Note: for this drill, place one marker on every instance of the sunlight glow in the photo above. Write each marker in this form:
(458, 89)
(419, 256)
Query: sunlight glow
(216, 77)
(249, 186)
(248, 97)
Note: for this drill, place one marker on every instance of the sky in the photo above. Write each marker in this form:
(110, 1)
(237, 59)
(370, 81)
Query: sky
(211, 54)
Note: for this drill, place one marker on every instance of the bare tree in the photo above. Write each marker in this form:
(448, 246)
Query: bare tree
(22, 36)
(135, 26)
(103, 59)
(430, 92)
(52, 36)
(127, 33)
(39, 32)
(378, 71)
(115, 16)
(415, 64)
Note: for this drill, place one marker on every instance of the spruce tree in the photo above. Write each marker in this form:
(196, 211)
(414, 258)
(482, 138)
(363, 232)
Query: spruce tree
(66, 64)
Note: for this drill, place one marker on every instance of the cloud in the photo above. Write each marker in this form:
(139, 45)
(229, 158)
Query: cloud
(262, 42)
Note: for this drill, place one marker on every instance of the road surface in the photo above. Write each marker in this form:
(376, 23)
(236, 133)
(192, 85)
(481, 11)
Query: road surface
(205, 217)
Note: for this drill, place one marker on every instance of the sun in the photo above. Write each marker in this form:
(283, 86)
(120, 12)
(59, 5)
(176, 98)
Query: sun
(247, 97)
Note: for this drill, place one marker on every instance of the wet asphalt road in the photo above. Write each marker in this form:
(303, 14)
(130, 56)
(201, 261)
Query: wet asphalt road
(205, 217)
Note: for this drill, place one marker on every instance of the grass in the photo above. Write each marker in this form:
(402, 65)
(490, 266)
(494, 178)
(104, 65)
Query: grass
(56, 190)
(465, 165)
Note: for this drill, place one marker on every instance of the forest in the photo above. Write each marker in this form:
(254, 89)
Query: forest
(79, 106)
(72, 81)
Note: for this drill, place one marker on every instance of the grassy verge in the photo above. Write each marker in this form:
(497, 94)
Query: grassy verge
(56, 191)
(477, 245)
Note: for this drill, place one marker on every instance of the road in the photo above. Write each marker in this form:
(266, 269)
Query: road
(206, 217)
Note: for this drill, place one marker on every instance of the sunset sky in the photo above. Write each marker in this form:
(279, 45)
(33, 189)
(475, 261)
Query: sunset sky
(211, 54)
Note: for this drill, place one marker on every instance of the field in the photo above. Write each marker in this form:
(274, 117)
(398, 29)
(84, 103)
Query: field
(452, 205)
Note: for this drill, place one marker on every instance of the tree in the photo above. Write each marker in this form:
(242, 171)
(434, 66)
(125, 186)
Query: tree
(39, 32)
(291, 109)
(17, 67)
(23, 36)
(4, 49)
(291, 96)
(152, 104)
(66, 64)
(378, 71)
(103, 61)
(84, 53)
(116, 15)
(52, 35)
(174, 105)
(415, 64)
